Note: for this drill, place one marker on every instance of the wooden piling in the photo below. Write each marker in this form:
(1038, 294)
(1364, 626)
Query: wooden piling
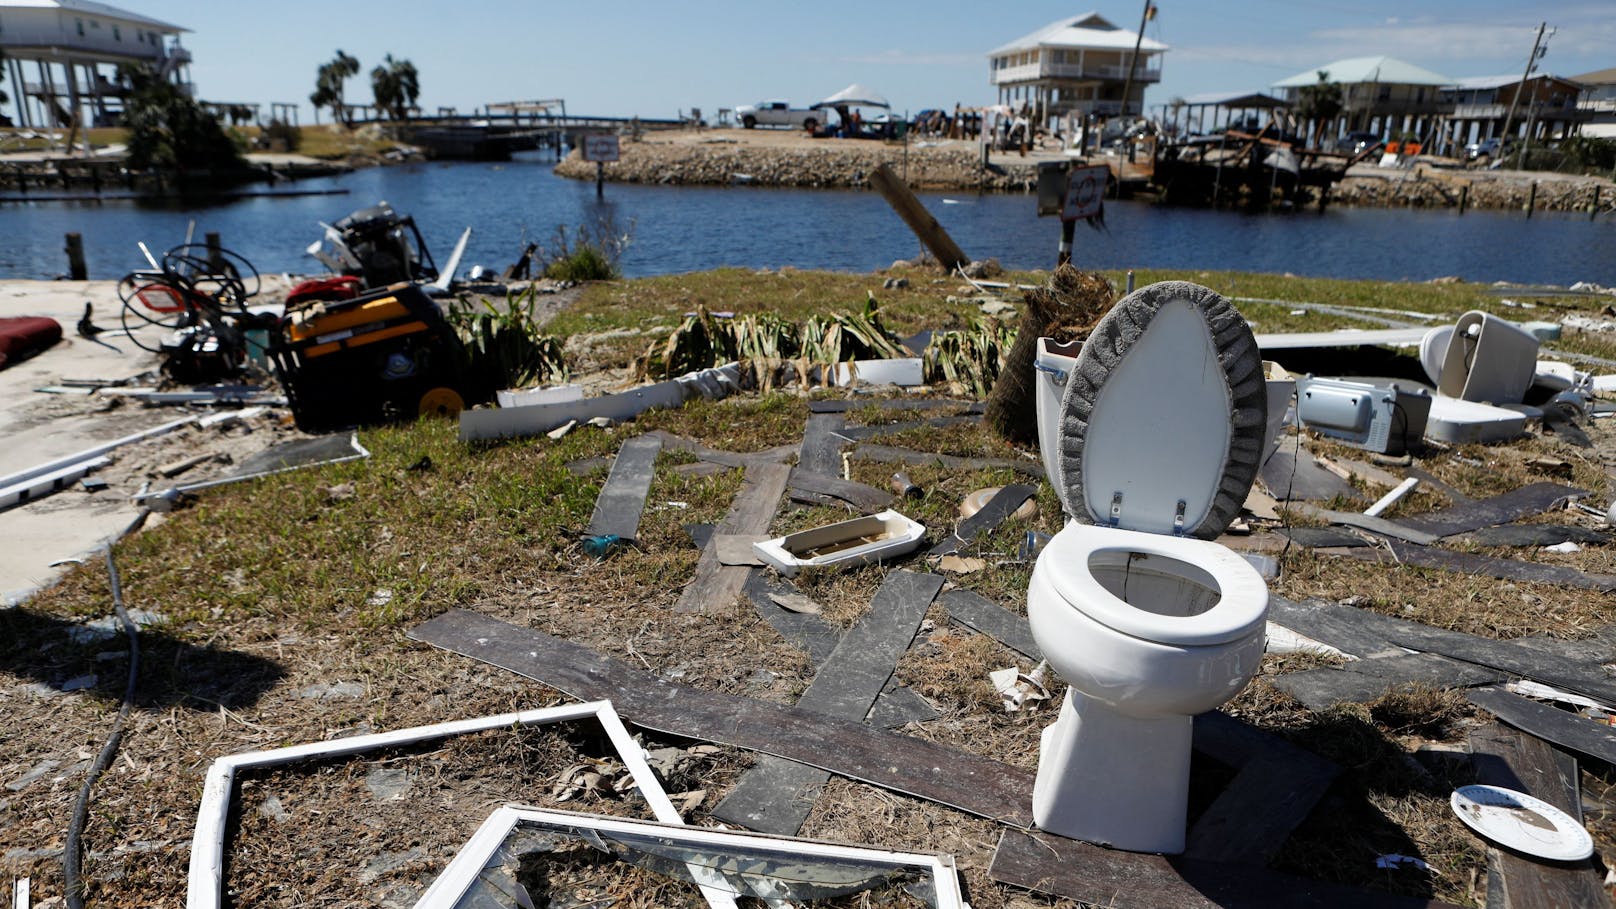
(1593, 207)
(1531, 199)
(903, 201)
(215, 257)
(1464, 198)
(75, 258)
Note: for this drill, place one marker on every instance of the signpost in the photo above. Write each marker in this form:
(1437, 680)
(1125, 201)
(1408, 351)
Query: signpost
(600, 148)
(1074, 193)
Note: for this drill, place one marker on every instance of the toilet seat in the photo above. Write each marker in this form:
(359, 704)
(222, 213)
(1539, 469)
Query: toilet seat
(1165, 415)
(1241, 609)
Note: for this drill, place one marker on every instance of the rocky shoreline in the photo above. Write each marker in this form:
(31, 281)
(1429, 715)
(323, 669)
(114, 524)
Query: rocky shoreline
(830, 164)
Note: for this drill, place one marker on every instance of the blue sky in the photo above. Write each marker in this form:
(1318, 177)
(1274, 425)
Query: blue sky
(628, 57)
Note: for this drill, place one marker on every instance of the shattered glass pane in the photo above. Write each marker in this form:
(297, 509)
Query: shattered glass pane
(558, 866)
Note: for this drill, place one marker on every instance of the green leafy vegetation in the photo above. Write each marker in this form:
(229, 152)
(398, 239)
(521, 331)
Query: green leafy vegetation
(395, 85)
(171, 132)
(329, 81)
(589, 252)
(503, 345)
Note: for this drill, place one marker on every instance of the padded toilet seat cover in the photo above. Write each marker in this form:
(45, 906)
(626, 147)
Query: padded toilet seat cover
(1167, 403)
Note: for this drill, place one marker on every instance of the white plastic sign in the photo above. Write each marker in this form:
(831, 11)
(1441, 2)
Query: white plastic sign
(600, 147)
(1085, 189)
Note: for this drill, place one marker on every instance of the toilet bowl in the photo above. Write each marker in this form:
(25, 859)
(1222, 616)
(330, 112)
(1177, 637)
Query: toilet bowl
(1163, 423)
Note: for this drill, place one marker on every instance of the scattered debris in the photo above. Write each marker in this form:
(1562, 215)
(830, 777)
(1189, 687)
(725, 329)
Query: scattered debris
(872, 538)
(1021, 690)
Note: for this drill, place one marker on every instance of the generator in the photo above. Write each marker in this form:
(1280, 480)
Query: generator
(385, 356)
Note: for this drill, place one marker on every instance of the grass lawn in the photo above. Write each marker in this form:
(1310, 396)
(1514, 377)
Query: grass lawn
(270, 589)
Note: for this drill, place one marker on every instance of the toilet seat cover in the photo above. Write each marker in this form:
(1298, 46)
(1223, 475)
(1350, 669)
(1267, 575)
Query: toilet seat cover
(1163, 418)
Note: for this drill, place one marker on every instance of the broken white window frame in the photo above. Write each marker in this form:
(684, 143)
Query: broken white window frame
(205, 884)
(462, 871)
(359, 453)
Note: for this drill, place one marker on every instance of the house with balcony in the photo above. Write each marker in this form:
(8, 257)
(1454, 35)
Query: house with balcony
(1544, 107)
(1382, 95)
(1077, 65)
(62, 57)
(1598, 99)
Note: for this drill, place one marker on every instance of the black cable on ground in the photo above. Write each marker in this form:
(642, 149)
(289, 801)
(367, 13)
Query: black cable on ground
(72, 848)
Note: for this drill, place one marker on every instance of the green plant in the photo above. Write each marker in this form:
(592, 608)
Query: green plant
(395, 85)
(1590, 154)
(169, 131)
(281, 131)
(505, 347)
(969, 360)
(587, 253)
(328, 85)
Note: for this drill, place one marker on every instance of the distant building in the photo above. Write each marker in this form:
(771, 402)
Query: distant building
(1599, 101)
(1075, 66)
(72, 49)
(1544, 104)
(1382, 95)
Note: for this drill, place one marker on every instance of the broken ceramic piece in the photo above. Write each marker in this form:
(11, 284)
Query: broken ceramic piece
(872, 538)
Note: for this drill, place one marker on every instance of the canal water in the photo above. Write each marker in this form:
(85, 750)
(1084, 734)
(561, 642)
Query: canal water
(677, 229)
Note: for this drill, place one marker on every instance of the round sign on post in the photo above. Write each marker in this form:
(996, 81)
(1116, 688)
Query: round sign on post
(1085, 190)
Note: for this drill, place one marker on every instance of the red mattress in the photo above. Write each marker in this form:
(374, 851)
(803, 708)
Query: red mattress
(23, 337)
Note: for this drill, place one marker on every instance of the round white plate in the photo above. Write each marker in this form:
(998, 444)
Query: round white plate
(1522, 823)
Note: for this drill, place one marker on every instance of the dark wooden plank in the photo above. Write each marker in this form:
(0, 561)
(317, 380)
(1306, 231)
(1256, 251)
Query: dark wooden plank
(991, 515)
(1486, 566)
(949, 776)
(815, 486)
(862, 433)
(1274, 790)
(716, 584)
(1125, 880)
(1366, 680)
(822, 441)
(1382, 526)
(1328, 624)
(1322, 537)
(775, 795)
(977, 612)
(776, 455)
(1456, 496)
(1291, 476)
(886, 454)
(622, 498)
(1501, 509)
(1504, 655)
(1533, 535)
(1562, 727)
(1598, 648)
(1504, 757)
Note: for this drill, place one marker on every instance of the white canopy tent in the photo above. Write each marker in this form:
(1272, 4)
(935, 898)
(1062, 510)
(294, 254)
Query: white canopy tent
(855, 95)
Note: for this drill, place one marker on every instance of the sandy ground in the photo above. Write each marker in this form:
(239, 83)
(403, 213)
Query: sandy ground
(798, 139)
(39, 427)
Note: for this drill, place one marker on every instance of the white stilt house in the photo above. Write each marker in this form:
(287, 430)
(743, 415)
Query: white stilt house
(1078, 65)
(62, 56)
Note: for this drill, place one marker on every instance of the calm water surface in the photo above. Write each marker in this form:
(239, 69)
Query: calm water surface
(678, 229)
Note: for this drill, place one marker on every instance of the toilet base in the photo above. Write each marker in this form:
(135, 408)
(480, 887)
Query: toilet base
(1112, 779)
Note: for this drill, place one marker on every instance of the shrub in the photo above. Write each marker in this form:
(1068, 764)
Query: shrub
(283, 132)
(589, 253)
(505, 347)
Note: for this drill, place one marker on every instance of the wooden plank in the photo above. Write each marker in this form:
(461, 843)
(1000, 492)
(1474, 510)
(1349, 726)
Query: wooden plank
(1275, 789)
(1487, 566)
(931, 234)
(991, 515)
(1367, 680)
(948, 776)
(1503, 757)
(862, 433)
(1533, 535)
(775, 455)
(1501, 509)
(1322, 537)
(979, 613)
(622, 498)
(1329, 624)
(1454, 494)
(843, 405)
(1382, 526)
(1504, 655)
(821, 451)
(716, 584)
(1562, 727)
(815, 486)
(887, 454)
(1291, 475)
(1126, 880)
(775, 795)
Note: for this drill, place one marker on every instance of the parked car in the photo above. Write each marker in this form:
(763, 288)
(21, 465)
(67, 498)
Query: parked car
(1486, 148)
(775, 112)
(1357, 143)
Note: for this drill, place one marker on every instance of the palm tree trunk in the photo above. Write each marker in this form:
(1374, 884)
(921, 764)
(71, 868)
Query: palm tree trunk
(1065, 309)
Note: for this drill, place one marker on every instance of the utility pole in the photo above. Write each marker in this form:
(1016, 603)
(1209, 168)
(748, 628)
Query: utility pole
(1531, 63)
(1127, 86)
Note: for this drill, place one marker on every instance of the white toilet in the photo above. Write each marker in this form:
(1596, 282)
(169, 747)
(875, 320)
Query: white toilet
(1162, 425)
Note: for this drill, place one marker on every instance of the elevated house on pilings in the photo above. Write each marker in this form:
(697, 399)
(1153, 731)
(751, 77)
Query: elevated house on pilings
(1598, 99)
(1381, 95)
(1077, 66)
(1479, 108)
(62, 56)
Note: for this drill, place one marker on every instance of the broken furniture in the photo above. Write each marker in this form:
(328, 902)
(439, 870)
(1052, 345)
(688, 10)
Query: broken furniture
(381, 357)
(778, 871)
(860, 541)
(206, 885)
(1147, 619)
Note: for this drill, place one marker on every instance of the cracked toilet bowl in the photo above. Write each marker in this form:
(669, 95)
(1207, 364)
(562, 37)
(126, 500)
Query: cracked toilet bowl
(1149, 622)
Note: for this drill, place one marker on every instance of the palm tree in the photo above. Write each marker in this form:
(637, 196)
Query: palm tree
(1318, 104)
(328, 85)
(396, 85)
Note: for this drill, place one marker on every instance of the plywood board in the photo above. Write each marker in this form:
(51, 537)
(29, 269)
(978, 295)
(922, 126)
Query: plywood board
(1501, 509)
(886, 454)
(1366, 680)
(1330, 624)
(822, 441)
(815, 487)
(1292, 475)
(995, 621)
(622, 499)
(1001, 506)
(1561, 727)
(715, 584)
(1485, 566)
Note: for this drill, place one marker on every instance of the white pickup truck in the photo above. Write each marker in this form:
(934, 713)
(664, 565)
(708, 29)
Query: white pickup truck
(777, 113)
